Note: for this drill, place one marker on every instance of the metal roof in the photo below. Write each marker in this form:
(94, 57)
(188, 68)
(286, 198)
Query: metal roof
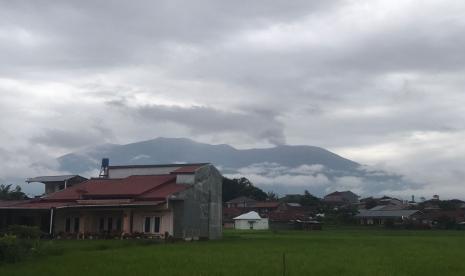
(157, 166)
(241, 199)
(385, 213)
(249, 216)
(54, 178)
(131, 186)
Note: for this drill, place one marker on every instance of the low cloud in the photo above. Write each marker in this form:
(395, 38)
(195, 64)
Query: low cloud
(201, 120)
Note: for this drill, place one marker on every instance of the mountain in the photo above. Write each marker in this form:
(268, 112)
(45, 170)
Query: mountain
(283, 169)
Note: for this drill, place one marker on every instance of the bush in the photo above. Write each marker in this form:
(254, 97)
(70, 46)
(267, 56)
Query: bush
(24, 231)
(10, 249)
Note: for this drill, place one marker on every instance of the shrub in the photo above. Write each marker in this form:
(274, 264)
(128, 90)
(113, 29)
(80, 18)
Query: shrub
(24, 231)
(10, 249)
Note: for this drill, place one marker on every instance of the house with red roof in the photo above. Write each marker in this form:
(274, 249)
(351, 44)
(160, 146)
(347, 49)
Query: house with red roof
(175, 200)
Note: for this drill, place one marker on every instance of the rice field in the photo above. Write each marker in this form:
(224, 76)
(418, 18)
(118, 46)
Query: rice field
(327, 252)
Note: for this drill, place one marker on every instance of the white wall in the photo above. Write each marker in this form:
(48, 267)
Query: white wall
(185, 179)
(125, 172)
(244, 224)
(166, 223)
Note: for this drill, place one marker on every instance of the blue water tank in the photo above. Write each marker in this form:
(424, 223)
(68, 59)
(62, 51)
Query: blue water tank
(105, 162)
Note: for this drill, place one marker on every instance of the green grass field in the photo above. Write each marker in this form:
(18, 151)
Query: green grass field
(328, 252)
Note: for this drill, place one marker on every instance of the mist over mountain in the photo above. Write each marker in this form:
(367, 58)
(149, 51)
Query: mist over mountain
(284, 169)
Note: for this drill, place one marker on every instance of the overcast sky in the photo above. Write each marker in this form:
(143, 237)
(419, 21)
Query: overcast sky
(378, 82)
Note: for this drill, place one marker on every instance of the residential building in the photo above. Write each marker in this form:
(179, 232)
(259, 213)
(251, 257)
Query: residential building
(178, 200)
(341, 198)
(374, 217)
(240, 202)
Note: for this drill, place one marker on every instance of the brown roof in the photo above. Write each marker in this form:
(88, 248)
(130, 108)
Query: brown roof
(241, 199)
(287, 215)
(130, 191)
(266, 204)
(126, 187)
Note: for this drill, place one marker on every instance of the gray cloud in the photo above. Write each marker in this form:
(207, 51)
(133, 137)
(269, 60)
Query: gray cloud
(261, 124)
(380, 82)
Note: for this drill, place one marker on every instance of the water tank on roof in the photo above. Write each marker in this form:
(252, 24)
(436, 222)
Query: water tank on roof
(104, 168)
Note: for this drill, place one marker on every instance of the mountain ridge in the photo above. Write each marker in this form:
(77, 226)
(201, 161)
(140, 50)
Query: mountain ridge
(283, 168)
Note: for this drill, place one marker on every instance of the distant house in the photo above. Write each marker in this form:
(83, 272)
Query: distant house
(250, 220)
(179, 200)
(240, 202)
(228, 216)
(376, 217)
(383, 203)
(345, 197)
(433, 217)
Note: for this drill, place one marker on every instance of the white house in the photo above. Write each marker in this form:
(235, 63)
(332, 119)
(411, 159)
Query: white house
(250, 220)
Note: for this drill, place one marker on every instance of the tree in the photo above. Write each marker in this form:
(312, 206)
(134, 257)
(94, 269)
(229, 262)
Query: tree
(6, 193)
(309, 200)
(272, 196)
(236, 187)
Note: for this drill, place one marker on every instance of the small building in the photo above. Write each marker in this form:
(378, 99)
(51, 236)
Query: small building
(250, 220)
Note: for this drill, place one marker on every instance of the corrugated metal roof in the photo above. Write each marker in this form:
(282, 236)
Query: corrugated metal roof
(53, 178)
(241, 199)
(266, 204)
(6, 203)
(131, 186)
(157, 166)
(250, 215)
(385, 213)
(187, 169)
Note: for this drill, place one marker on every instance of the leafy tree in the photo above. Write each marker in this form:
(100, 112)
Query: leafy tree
(272, 196)
(236, 187)
(309, 200)
(447, 205)
(6, 193)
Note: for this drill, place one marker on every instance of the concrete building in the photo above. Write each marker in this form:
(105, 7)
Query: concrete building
(57, 182)
(178, 200)
(250, 220)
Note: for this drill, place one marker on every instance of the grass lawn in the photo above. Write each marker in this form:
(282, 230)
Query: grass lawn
(327, 252)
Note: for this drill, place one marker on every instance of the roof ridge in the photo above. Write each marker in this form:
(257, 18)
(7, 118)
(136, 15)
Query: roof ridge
(158, 186)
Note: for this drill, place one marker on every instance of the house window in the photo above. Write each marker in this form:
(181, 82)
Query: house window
(157, 224)
(101, 226)
(68, 225)
(118, 224)
(76, 224)
(147, 225)
(110, 224)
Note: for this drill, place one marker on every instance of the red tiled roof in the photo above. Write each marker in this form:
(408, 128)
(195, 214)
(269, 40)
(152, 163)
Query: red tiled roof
(187, 169)
(127, 187)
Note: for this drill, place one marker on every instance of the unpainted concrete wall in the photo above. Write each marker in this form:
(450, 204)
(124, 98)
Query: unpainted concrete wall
(200, 214)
